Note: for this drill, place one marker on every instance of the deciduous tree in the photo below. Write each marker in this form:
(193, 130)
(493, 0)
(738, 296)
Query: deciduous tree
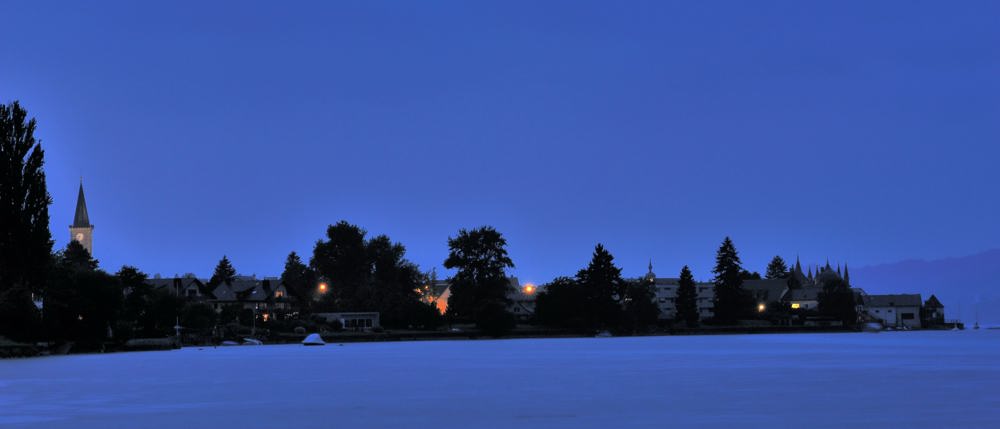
(480, 285)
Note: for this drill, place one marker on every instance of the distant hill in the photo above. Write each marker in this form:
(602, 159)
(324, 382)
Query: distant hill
(962, 284)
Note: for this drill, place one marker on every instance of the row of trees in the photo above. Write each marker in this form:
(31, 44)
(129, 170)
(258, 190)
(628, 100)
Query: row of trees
(598, 298)
(83, 302)
(360, 274)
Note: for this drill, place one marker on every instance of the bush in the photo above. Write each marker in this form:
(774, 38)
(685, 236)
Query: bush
(494, 320)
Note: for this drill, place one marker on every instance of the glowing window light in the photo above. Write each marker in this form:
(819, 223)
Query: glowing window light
(796, 306)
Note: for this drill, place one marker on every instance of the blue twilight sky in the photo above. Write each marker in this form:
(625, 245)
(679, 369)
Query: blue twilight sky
(861, 131)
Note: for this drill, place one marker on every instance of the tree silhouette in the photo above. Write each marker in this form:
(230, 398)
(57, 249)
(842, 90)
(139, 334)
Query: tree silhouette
(25, 241)
(603, 288)
(480, 285)
(730, 302)
(777, 269)
(224, 273)
(300, 280)
(687, 299)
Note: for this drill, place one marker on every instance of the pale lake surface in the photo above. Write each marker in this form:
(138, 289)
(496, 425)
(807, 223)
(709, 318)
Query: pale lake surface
(886, 380)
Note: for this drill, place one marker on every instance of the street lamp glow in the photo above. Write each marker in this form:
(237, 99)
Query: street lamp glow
(529, 289)
(761, 308)
(322, 287)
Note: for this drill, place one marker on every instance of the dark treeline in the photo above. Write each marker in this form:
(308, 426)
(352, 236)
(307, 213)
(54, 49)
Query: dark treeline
(66, 296)
(598, 298)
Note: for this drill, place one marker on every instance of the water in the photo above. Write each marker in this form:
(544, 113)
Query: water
(903, 379)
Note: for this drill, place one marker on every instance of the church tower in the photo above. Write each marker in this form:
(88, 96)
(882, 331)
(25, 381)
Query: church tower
(81, 230)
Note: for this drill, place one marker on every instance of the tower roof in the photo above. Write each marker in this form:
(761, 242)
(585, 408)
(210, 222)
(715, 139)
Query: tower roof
(81, 219)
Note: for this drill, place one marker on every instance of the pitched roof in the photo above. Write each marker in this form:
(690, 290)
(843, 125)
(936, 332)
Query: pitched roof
(81, 219)
(770, 290)
(247, 289)
(933, 302)
(898, 300)
(179, 284)
(810, 293)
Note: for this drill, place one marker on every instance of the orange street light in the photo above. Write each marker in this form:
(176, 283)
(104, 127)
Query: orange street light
(761, 308)
(529, 289)
(323, 287)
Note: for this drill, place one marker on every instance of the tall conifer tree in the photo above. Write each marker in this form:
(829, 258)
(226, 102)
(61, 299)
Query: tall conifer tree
(25, 241)
(224, 273)
(776, 269)
(729, 300)
(687, 299)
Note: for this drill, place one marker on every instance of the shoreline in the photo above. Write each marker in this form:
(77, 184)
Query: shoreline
(18, 350)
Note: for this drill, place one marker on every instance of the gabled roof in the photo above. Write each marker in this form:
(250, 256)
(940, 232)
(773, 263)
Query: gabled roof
(898, 300)
(810, 293)
(247, 289)
(177, 285)
(770, 290)
(933, 302)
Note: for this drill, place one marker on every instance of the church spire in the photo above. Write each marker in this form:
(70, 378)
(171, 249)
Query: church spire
(847, 275)
(81, 219)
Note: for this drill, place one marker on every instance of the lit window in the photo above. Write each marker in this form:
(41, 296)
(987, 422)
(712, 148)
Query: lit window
(796, 306)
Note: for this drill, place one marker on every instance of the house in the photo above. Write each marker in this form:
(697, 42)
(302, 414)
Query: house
(804, 298)
(897, 311)
(188, 287)
(267, 297)
(355, 321)
(522, 299)
(932, 314)
(766, 292)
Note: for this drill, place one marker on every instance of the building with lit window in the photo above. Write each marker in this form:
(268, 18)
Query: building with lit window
(267, 297)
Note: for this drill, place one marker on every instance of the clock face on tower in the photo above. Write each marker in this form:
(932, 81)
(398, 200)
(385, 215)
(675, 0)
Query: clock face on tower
(79, 237)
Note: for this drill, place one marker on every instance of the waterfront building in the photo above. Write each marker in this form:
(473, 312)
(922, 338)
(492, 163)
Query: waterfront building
(354, 321)
(896, 311)
(932, 313)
